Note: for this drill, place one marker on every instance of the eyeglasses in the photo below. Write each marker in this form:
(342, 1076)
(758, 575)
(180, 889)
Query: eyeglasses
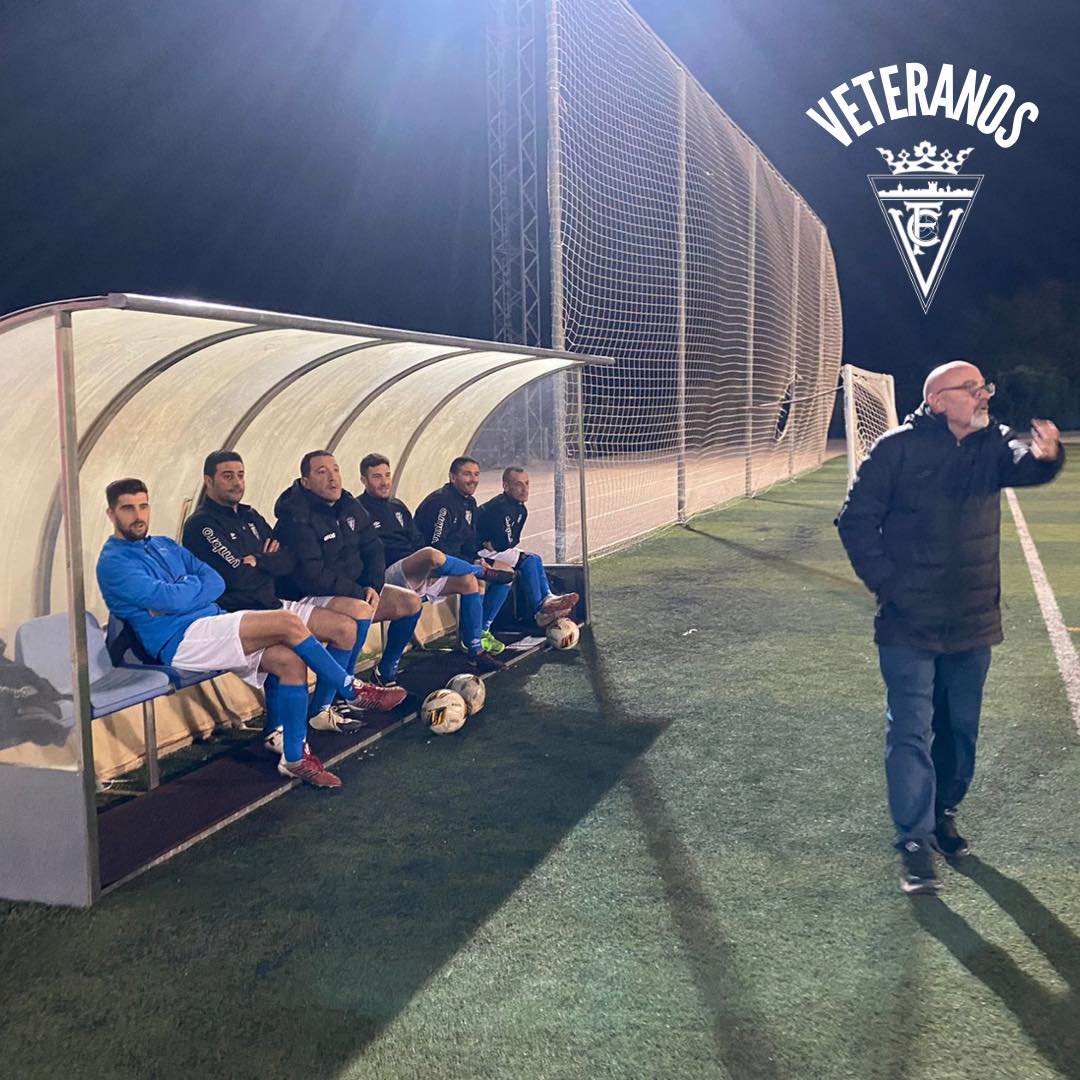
(972, 388)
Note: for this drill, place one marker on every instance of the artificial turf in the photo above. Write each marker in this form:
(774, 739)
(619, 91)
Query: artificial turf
(663, 855)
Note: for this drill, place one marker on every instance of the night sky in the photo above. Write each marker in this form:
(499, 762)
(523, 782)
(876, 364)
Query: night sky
(330, 158)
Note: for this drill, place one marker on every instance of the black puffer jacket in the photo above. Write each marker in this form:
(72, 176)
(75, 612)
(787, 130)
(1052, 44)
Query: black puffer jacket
(922, 527)
(337, 551)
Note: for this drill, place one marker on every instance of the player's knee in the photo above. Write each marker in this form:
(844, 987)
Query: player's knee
(292, 628)
(468, 584)
(436, 557)
(359, 609)
(412, 604)
(285, 664)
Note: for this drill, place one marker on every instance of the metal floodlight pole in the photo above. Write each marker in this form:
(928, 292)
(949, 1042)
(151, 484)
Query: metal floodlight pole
(680, 356)
(558, 328)
(822, 262)
(751, 276)
(794, 342)
(76, 591)
(849, 423)
(580, 384)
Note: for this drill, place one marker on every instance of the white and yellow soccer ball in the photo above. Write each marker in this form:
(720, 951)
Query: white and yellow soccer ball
(472, 690)
(563, 634)
(445, 711)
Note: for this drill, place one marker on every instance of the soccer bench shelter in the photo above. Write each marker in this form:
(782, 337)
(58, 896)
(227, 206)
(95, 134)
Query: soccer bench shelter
(127, 385)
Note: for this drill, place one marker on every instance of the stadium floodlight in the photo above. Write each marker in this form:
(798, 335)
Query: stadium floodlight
(869, 411)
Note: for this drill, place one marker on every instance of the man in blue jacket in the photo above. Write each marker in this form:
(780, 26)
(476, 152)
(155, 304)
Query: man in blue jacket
(167, 596)
(921, 526)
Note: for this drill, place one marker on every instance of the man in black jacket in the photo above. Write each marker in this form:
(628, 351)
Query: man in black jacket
(499, 524)
(429, 572)
(337, 552)
(447, 521)
(921, 526)
(236, 541)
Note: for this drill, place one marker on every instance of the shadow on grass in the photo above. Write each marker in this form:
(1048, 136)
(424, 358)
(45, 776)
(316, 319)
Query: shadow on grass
(783, 564)
(1048, 1019)
(302, 932)
(740, 1042)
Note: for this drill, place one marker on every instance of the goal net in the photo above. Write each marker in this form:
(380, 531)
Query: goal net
(679, 250)
(869, 411)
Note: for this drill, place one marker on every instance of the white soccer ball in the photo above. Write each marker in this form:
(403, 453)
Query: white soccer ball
(445, 711)
(472, 690)
(563, 634)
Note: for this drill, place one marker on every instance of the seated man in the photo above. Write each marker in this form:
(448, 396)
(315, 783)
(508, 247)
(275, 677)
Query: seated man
(235, 540)
(337, 552)
(166, 596)
(499, 525)
(429, 572)
(447, 521)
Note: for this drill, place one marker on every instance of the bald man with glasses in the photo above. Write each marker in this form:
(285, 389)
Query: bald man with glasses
(921, 526)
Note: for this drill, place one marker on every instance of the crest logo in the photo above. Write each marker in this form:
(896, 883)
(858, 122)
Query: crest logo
(925, 201)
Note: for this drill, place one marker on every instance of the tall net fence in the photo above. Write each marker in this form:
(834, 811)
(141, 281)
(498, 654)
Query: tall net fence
(679, 250)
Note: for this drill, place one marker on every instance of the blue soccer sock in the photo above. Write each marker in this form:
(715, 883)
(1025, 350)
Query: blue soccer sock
(534, 581)
(362, 628)
(471, 621)
(324, 665)
(273, 709)
(494, 599)
(327, 689)
(455, 567)
(292, 706)
(398, 634)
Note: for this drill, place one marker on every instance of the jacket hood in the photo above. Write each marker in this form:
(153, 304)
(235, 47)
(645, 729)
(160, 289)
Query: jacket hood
(298, 503)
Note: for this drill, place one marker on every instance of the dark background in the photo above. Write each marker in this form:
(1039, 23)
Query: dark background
(329, 157)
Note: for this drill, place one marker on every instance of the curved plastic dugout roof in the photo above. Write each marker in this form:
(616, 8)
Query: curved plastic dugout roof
(158, 383)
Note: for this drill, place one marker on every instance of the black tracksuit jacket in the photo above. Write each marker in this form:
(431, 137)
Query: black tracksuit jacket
(500, 522)
(922, 528)
(398, 532)
(336, 550)
(221, 536)
(447, 520)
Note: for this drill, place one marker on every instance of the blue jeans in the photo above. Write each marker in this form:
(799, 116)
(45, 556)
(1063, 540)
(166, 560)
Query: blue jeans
(932, 725)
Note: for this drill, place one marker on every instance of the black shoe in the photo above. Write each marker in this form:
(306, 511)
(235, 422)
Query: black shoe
(949, 841)
(377, 678)
(497, 577)
(918, 873)
(483, 662)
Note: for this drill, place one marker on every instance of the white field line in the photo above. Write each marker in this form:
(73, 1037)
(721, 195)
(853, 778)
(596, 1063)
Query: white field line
(1064, 650)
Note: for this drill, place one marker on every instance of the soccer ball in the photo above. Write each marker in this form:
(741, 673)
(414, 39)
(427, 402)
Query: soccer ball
(472, 691)
(445, 711)
(563, 634)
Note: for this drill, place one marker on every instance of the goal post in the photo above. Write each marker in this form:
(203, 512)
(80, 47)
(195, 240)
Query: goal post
(869, 411)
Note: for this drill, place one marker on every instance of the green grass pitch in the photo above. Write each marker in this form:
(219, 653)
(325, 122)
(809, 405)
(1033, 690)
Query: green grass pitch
(663, 855)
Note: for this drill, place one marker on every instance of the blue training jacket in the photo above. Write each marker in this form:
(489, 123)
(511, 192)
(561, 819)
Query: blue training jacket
(158, 588)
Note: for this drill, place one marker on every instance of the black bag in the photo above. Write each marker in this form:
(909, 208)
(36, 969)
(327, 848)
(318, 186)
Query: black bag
(30, 708)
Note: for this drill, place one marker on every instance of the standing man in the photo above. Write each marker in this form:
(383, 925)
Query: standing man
(921, 526)
(500, 523)
(427, 571)
(234, 539)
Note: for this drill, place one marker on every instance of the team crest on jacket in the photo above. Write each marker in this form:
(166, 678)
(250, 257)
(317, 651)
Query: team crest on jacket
(351, 522)
(400, 518)
(925, 200)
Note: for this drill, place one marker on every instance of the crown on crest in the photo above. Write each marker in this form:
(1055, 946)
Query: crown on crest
(923, 161)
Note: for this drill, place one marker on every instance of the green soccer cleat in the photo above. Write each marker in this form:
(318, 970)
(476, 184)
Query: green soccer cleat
(491, 644)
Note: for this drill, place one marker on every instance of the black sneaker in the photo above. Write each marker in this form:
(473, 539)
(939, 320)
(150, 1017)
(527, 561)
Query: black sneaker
(377, 678)
(497, 577)
(949, 841)
(917, 862)
(483, 662)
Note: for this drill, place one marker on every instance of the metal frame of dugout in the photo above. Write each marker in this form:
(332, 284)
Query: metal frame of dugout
(135, 385)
